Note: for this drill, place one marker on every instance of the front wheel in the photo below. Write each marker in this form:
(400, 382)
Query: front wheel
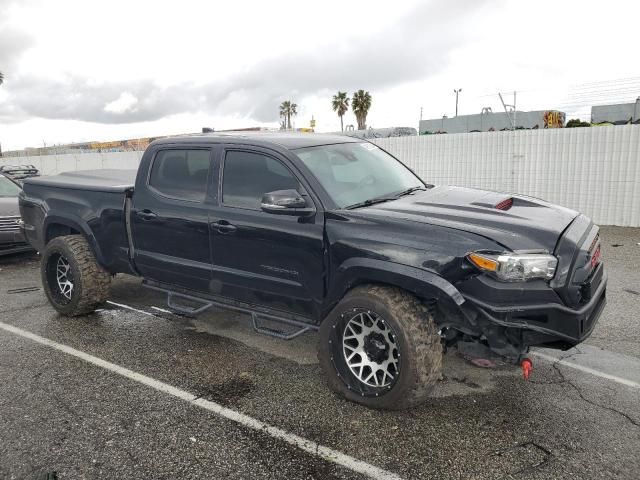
(72, 279)
(380, 347)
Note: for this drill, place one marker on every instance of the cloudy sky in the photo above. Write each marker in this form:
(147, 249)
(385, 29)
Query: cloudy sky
(78, 70)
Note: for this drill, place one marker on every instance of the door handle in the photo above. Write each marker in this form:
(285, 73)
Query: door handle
(146, 214)
(223, 226)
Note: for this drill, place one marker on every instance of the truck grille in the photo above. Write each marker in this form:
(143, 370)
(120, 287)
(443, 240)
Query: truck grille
(9, 224)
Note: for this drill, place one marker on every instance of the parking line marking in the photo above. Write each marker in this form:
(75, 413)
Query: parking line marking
(597, 373)
(121, 305)
(163, 310)
(302, 443)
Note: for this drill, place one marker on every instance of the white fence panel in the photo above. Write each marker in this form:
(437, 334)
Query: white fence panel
(54, 164)
(593, 170)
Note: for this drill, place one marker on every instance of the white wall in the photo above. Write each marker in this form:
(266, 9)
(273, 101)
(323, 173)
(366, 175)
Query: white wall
(53, 164)
(594, 170)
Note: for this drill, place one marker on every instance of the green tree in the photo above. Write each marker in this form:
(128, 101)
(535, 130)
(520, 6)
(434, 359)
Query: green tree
(576, 122)
(361, 103)
(340, 104)
(288, 109)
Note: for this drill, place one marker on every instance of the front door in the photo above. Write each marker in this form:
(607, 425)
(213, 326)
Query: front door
(263, 259)
(169, 218)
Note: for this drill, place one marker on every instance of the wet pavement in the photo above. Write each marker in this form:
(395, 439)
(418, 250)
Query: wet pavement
(578, 417)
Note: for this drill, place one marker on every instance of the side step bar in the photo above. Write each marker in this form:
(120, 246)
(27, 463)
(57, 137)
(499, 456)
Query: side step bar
(298, 327)
(205, 304)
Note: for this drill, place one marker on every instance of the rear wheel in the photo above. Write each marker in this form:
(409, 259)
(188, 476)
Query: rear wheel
(380, 347)
(72, 279)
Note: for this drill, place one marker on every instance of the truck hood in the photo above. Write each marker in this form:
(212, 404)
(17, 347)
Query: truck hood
(9, 207)
(528, 224)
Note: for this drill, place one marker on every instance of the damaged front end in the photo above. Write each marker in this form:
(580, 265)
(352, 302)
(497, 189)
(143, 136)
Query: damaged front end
(558, 307)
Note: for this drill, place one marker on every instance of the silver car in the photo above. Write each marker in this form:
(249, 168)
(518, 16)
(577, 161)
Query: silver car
(11, 237)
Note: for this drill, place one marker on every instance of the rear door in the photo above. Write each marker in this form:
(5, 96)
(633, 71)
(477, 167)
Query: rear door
(263, 259)
(170, 214)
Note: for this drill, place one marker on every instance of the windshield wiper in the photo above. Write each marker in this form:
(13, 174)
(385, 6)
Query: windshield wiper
(409, 190)
(386, 198)
(371, 201)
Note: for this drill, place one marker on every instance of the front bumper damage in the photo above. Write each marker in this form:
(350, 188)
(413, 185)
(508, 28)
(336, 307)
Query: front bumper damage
(510, 317)
(550, 324)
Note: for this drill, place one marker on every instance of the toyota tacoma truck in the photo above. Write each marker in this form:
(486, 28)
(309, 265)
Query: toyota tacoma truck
(325, 233)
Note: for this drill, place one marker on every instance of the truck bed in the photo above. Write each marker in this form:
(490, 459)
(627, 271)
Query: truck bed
(87, 202)
(95, 180)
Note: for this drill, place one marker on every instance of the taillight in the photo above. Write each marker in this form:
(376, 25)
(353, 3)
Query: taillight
(505, 204)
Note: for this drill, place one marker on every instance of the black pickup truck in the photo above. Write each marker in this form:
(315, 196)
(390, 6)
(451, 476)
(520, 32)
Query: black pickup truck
(327, 233)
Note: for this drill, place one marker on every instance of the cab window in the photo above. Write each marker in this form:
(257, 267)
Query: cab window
(247, 176)
(181, 174)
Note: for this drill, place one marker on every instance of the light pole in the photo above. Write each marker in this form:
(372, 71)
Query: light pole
(483, 112)
(457, 91)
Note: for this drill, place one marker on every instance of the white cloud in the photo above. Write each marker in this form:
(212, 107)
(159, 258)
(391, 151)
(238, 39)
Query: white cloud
(126, 102)
(159, 67)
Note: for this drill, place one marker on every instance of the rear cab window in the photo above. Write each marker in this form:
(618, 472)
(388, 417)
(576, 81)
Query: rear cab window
(181, 174)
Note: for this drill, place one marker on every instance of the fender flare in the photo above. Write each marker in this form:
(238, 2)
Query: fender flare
(422, 283)
(77, 224)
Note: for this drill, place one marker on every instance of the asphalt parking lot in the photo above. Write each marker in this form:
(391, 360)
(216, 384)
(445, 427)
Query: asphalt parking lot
(134, 391)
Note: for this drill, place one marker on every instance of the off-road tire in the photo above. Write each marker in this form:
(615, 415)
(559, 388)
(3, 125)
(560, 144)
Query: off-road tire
(417, 337)
(91, 281)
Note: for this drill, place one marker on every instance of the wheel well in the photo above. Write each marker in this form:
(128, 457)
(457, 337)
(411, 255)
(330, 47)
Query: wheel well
(439, 305)
(59, 230)
(364, 282)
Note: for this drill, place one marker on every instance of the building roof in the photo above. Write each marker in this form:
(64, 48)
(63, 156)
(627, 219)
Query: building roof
(482, 122)
(288, 140)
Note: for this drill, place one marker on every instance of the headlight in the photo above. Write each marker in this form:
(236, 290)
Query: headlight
(516, 267)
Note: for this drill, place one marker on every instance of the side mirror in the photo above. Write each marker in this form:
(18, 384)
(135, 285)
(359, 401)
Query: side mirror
(285, 202)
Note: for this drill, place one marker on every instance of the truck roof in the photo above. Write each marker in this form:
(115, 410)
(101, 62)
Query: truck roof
(288, 140)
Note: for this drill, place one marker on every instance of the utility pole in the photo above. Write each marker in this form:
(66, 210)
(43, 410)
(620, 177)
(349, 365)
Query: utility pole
(512, 120)
(420, 121)
(457, 91)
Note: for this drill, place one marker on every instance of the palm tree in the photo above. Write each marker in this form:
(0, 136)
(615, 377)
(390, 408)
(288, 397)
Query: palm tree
(361, 103)
(287, 110)
(340, 104)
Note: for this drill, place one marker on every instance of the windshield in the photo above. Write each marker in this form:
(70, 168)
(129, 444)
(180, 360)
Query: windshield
(353, 173)
(8, 188)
